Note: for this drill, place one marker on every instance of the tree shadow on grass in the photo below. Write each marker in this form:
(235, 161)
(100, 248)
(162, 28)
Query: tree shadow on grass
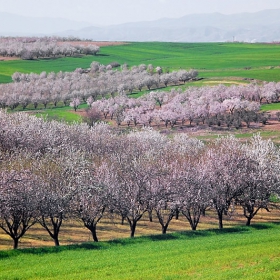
(261, 226)
(137, 240)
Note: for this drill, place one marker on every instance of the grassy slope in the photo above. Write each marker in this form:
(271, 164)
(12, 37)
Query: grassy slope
(210, 59)
(234, 253)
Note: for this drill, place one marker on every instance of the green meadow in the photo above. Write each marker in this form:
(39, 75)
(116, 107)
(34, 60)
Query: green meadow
(233, 253)
(242, 60)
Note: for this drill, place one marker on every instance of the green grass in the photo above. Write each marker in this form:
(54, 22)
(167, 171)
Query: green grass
(66, 114)
(201, 56)
(7, 68)
(274, 135)
(270, 107)
(232, 253)
(60, 112)
(210, 59)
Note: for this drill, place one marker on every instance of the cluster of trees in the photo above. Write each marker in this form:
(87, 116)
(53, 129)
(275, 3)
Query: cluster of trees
(217, 105)
(52, 171)
(99, 80)
(36, 47)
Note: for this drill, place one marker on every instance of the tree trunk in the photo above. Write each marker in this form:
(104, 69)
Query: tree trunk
(193, 217)
(164, 228)
(150, 215)
(56, 241)
(56, 224)
(164, 225)
(92, 228)
(249, 211)
(248, 223)
(220, 217)
(94, 235)
(132, 228)
(177, 214)
(15, 243)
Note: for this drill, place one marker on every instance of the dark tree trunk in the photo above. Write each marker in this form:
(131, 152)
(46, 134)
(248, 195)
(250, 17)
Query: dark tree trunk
(177, 214)
(94, 235)
(56, 224)
(17, 228)
(220, 217)
(164, 225)
(248, 222)
(15, 243)
(150, 215)
(122, 222)
(56, 241)
(132, 223)
(249, 211)
(203, 212)
(92, 228)
(193, 217)
(164, 228)
(132, 228)
(193, 227)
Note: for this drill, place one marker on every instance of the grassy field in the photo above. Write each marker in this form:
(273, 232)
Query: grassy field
(234, 253)
(271, 107)
(210, 59)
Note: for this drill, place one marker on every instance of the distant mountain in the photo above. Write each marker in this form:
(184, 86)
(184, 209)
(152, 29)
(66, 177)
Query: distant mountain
(262, 26)
(16, 25)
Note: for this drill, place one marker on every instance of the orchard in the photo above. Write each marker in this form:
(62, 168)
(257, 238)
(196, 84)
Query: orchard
(52, 171)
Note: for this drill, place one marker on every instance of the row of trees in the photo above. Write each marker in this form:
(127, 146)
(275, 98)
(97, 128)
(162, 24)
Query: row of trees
(100, 81)
(52, 171)
(218, 105)
(37, 47)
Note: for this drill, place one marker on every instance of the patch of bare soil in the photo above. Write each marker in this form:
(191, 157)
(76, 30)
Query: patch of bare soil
(272, 125)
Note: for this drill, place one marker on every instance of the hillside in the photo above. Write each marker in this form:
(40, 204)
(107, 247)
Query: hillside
(262, 26)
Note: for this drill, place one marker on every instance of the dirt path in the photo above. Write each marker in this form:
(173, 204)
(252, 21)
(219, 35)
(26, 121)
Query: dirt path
(4, 58)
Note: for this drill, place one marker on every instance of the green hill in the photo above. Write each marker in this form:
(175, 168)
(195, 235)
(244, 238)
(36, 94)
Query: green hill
(212, 60)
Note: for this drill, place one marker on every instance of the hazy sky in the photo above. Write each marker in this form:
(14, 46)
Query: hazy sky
(106, 12)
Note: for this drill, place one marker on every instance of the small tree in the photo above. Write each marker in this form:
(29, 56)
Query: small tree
(261, 180)
(225, 165)
(75, 103)
(92, 115)
(61, 177)
(89, 204)
(18, 196)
